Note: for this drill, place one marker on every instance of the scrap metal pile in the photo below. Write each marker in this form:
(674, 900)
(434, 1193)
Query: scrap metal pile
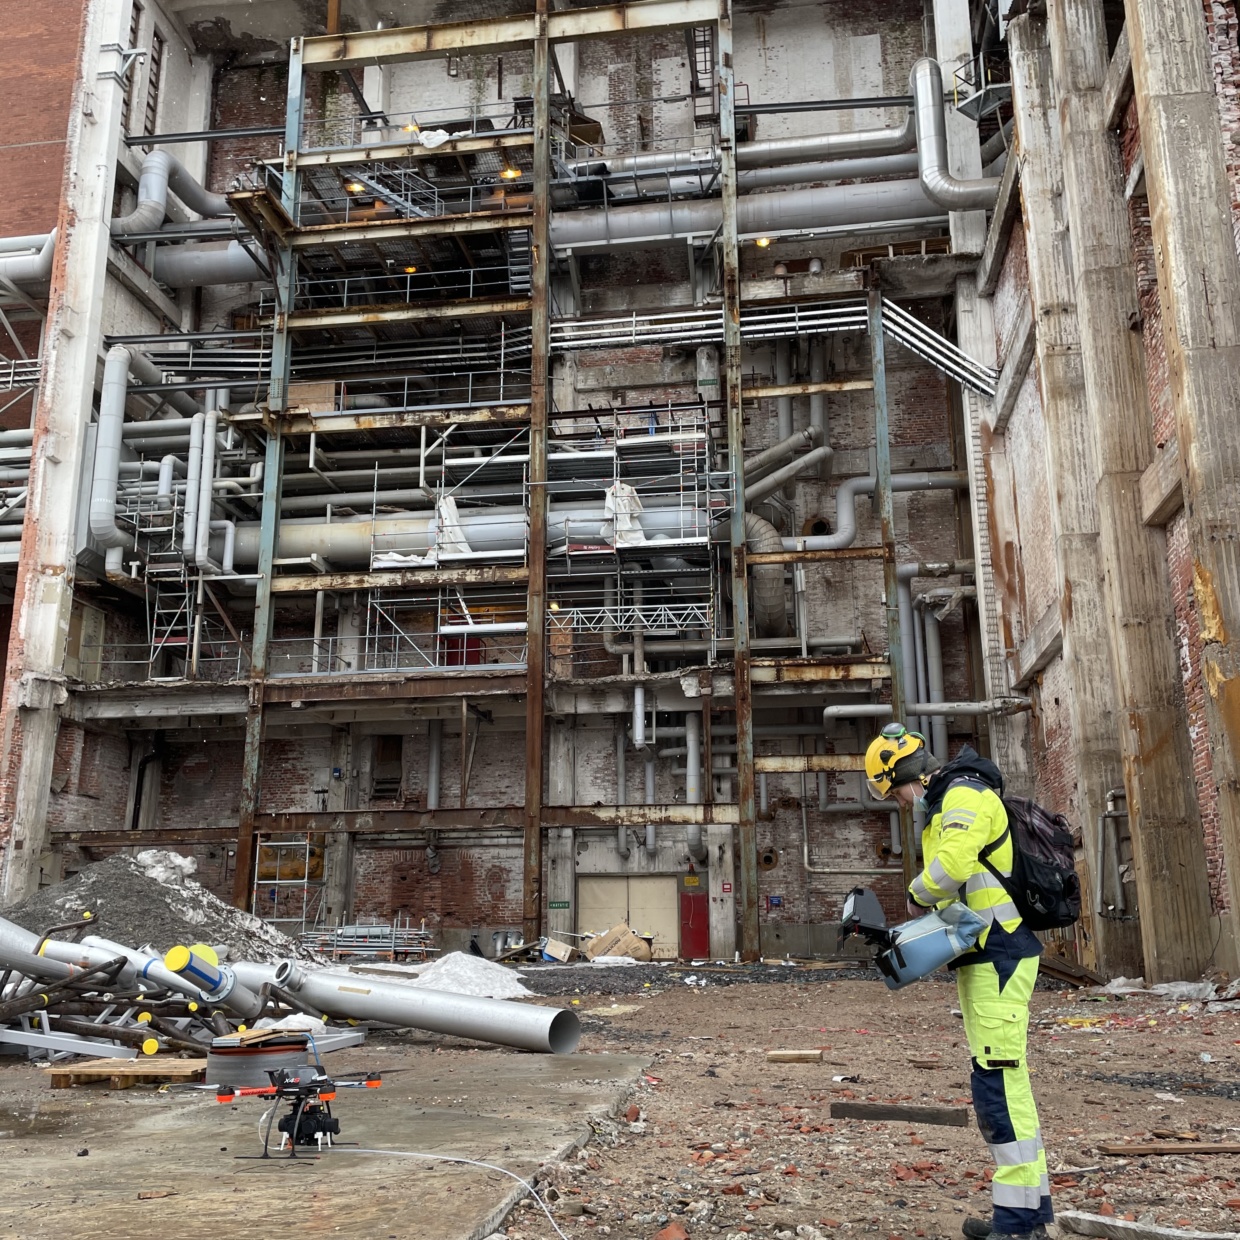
(64, 991)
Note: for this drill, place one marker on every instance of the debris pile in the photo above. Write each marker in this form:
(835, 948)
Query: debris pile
(151, 900)
(456, 973)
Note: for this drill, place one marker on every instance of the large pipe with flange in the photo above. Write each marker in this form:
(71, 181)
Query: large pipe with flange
(926, 84)
(553, 1031)
(108, 440)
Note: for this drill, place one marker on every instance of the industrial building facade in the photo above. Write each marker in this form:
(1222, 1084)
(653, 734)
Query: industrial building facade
(497, 468)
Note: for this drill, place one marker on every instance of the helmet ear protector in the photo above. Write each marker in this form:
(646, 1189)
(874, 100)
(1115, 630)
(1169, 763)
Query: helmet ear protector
(895, 757)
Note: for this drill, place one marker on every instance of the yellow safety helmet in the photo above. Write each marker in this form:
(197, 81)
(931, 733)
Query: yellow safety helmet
(896, 756)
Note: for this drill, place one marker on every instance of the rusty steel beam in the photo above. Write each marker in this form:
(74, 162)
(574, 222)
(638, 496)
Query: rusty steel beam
(388, 152)
(733, 394)
(336, 423)
(636, 815)
(398, 230)
(402, 578)
(796, 671)
(540, 366)
(807, 557)
(262, 212)
(808, 389)
(403, 314)
(786, 763)
(383, 688)
(491, 36)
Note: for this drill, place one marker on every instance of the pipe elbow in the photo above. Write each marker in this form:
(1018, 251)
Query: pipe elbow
(943, 189)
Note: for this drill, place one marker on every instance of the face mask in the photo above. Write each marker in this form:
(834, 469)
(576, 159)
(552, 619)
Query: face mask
(920, 803)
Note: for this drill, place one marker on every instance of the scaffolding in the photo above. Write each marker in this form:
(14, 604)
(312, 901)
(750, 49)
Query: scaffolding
(288, 885)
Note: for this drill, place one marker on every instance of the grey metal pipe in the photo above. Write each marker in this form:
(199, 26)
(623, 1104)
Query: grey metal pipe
(783, 376)
(107, 465)
(693, 765)
(881, 710)
(846, 505)
(908, 646)
(818, 404)
(145, 371)
(639, 669)
(206, 477)
(161, 170)
(548, 1030)
(919, 658)
(434, 761)
(652, 843)
(762, 463)
(650, 787)
(30, 268)
(31, 965)
(622, 832)
(758, 491)
(926, 84)
(193, 485)
(193, 266)
(841, 207)
(863, 143)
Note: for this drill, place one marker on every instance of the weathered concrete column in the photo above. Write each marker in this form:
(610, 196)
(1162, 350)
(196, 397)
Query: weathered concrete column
(721, 880)
(1199, 288)
(1164, 821)
(562, 760)
(43, 599)
(1071, 464)
(338, 845)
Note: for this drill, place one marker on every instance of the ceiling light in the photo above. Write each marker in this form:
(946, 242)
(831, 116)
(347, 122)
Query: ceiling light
(511, 174)
(355, 187)
(411, 127)
(410, 270)
(555, 606)
(781, 269)
(762, 242)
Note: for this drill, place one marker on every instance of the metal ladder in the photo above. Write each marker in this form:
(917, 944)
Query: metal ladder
(701, 41)
(520, 273)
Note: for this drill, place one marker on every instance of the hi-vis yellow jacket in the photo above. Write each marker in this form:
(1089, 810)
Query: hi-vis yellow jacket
(970, 817)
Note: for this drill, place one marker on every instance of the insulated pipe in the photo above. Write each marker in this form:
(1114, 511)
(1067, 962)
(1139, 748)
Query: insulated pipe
(206, 477)
(908, 643)
(622, 832)
(693, 763)
(167, 471)
(772, 482)
(863, 143)
(159, 170)
(639, 669)
(881, 710)
(761, 464)
(145, 371)
(434, 761)
(193, 266)
(548, 1030)
(651, 843)
(846, 506)
(783, 377)
(922, 688)
(230, 543)
(103, 527)
(193, 483)
(217, 982)
(650, 789)
(819, 170)
(926, 85)
(866, 206)
(770, 610)
(31, 965)
(30, 268)
(818, 404)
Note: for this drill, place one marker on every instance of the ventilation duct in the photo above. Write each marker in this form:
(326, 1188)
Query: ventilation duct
(926, 84)
(159, 172)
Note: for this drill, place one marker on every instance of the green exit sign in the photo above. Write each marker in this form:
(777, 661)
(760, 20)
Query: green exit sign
(557, 904)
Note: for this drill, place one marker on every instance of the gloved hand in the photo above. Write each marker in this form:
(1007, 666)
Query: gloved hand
(914, 909)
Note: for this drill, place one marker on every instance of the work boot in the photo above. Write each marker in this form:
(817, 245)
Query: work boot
(981, 1229)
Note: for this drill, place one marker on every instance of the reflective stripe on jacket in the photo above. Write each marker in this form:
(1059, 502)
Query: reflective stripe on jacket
(970, 818)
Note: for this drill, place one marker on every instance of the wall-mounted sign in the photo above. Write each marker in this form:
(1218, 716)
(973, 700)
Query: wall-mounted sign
(692, 880)
(726, 888)
(557, 904)
(774, 901)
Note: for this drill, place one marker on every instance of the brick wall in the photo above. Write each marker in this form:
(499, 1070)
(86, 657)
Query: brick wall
(36, 92)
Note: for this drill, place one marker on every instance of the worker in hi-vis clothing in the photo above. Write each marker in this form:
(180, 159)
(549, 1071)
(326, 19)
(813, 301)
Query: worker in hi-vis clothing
(963, 805)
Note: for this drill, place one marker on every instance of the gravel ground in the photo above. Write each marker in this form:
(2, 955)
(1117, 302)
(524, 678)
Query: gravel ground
(136, 909)
(724, 1144)
(548, 979)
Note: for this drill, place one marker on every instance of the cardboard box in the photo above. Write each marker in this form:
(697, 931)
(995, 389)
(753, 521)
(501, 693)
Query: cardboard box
(555, 950)
(618, 941)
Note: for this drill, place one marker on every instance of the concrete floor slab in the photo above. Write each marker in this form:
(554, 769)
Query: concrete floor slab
(492, 1105)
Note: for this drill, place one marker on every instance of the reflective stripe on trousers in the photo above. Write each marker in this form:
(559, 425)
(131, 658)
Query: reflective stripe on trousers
(996, 1021)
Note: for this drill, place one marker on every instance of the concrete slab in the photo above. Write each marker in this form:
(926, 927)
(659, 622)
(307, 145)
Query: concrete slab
(510, 1109)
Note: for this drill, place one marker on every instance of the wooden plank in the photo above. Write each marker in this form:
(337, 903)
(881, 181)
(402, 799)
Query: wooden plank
(814, 1056)
(1040, 648)
(1162, 487)
(1082, 1224)
(1142, 1149)
(1117, 85)
(946, 1117)
(807, 389)
(124, 1073)
(1069, 971)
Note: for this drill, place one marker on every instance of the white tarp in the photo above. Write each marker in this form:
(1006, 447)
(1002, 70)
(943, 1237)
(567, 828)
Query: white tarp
(621, 526)
(447, 538)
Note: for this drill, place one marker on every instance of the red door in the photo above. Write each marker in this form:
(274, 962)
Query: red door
(694, 924)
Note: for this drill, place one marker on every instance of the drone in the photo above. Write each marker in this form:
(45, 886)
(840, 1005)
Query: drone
(309, 1093)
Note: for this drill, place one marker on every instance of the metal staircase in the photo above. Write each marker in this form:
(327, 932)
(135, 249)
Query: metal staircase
(520, 272)
(170, 592)
(401, 188)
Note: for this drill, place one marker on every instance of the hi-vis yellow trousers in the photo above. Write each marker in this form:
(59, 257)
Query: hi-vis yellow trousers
(995, 1001)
